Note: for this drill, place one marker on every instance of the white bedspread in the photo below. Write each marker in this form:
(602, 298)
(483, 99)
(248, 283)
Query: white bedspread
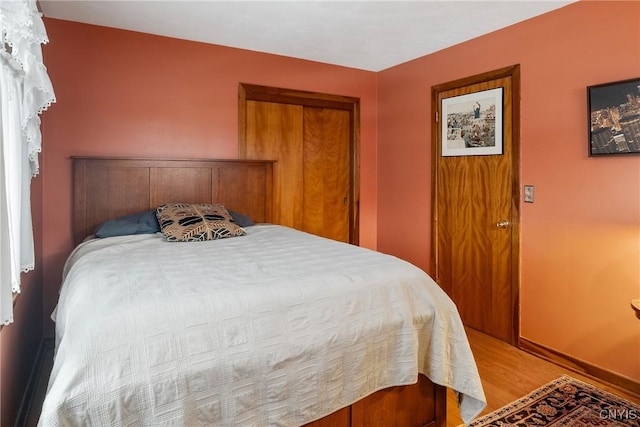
(275, 328)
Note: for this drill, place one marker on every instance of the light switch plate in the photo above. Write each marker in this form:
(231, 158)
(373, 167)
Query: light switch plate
(528, 193)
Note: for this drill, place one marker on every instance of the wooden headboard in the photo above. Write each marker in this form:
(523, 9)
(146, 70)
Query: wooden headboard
(106, 188)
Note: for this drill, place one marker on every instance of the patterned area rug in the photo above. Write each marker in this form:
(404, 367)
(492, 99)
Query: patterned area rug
(565, 402)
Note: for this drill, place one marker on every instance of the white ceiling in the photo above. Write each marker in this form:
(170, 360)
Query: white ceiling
(368, 35)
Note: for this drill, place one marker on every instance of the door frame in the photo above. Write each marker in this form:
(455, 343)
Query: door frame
(512, 72)
(251, 92)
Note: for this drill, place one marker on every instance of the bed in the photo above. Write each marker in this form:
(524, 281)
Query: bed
(274, 327)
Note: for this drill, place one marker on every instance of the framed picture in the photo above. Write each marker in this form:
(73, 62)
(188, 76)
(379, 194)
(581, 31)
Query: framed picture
(614, 118)
(472, 124)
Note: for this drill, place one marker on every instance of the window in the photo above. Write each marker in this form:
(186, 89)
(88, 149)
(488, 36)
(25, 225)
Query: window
(25, 92)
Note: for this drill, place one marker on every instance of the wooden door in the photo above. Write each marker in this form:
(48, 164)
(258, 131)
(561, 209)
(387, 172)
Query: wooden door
(476, 220)
(313, 141)
(274, 132)
(326, 170)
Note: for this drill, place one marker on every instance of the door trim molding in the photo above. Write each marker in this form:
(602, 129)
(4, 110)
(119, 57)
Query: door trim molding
(512, 72)
(251, 92)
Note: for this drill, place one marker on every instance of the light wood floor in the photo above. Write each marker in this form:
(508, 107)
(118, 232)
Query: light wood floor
(506, 372)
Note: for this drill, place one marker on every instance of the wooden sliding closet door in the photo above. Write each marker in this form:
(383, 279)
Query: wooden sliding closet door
(274, 132)
(325, 174)
(312, 141)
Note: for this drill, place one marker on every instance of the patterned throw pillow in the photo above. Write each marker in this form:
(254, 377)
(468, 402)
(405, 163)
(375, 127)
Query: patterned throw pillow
(183, 222)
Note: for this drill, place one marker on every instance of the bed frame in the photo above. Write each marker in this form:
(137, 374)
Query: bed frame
(106, 188)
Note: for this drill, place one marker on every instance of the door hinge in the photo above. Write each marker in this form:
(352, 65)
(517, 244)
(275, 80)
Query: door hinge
(436, 117)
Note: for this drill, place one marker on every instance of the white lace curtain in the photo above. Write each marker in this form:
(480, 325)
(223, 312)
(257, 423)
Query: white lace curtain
(25, 91)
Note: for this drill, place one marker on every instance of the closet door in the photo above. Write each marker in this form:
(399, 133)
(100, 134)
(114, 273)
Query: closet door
(313, 142)
(325, 160)
(274, 131)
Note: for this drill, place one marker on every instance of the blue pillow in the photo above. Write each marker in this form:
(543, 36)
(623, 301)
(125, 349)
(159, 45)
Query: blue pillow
(144, 222)
(240, 219)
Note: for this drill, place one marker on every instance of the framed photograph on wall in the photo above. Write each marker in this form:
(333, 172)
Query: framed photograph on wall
(614, 118)
(472, 124)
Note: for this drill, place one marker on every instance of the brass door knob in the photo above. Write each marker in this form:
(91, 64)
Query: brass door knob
(502, 224)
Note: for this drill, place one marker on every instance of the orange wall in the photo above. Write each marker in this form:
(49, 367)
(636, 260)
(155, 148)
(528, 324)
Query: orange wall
(124, 93)
(580, 240)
